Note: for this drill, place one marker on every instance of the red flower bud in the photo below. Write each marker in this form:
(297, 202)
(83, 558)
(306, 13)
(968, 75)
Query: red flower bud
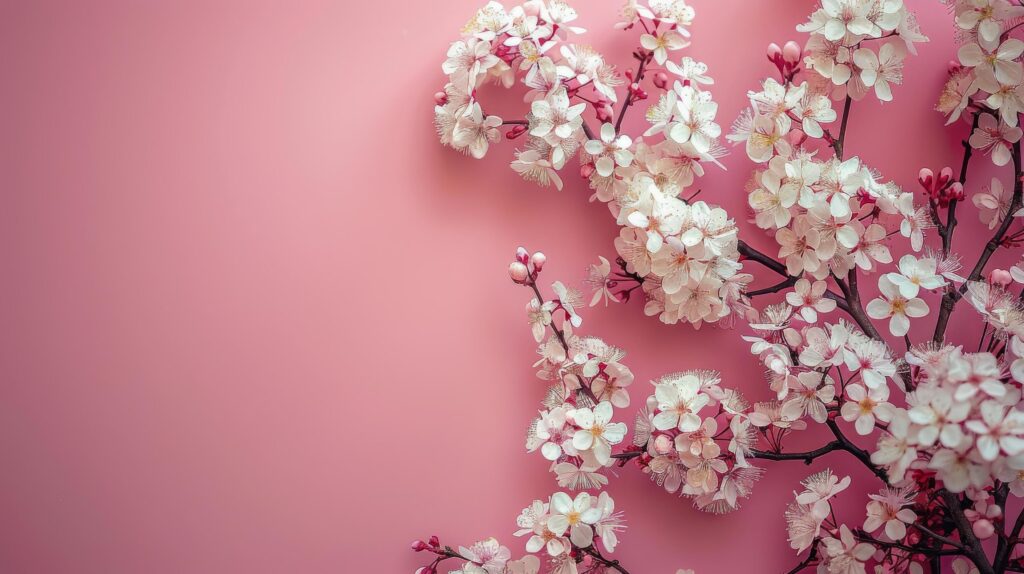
(441, 98)
(419, 546)
(661, 80)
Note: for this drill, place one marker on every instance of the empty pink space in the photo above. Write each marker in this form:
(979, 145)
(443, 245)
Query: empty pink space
(254, 318)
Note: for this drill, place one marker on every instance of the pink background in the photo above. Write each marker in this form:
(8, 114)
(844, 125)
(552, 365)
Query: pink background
(255, 319)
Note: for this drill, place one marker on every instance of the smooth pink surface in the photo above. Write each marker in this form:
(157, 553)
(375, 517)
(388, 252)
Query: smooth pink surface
(255, 319)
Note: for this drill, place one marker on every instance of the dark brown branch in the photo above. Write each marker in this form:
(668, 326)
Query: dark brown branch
(972, 546)
(946, 231)
(644, 57)
(596, 555)
(953, 295)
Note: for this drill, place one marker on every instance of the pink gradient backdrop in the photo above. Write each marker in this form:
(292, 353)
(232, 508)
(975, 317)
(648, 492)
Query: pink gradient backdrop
(255, 319)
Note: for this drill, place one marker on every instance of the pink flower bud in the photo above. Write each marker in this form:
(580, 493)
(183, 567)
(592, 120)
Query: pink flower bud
(425, 570)
(983, 529)
(791, 53)
(604, 113)
(945, 175)
(796, 136)
(926, 177)
(586, 170)
(522, 255)
(663, 444)
(515, 132)
(434, 542)
(774, 52)
(518, 272)
(537, 260)
(441, 98)
(419, 546)
(1000, 277)
(661, 80)
(955, 191)
(953, 67)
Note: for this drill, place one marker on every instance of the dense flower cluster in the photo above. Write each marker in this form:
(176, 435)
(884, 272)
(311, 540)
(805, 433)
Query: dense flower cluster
(687, 250)
(941, 427)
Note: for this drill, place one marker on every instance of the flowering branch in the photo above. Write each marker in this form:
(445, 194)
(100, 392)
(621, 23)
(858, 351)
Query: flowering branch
(947, 425)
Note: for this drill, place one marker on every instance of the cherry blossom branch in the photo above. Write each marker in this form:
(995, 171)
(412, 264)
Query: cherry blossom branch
(972, 546)
(946, 231)
(806, 561)
(644, 58)
(594, 553)
(807, 457)
(953, 295)
(1004, 553)
(859, 453)
(947, 541)
(754, 255)
(838, 144)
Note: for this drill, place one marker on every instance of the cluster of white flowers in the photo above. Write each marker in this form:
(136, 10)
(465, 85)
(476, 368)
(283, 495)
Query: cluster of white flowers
(946, 425)
(861, 44)
(565, 522)
(503, 45)
(960, 422)
(990, 72)
(686, 252)
(680, 429)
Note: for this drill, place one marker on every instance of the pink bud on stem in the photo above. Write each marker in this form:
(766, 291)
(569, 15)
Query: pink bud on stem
(537, 260)
(1000, 277)
(983, 529)
(441, 98)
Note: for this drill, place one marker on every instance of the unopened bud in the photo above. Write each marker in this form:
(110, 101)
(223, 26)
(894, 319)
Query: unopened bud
(661, 80)
(1000, 277)
(441, 98)
(537, 260)
(587, 170)
(434, 542)
(419, 546)
(955, 191)
(663, 444)
(774, 52)
(425, 570)
(791, 53)
(945, 175)
(604, 113)
(983, 529)
(926, 177)
(518, 272)
(522, 255)
(516, 131)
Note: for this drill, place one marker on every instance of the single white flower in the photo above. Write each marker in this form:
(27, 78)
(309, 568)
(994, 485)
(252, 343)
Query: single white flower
(866, 405)
(916, 274)
(679, 404)
(610, 150)
(597, 432)
(882, 69)
(574, 516)
(995, 138)
(663, 41)
(810, 300)
(895, 307)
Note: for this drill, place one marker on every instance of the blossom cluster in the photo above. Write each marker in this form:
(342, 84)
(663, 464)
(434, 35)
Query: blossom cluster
(942, 427)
